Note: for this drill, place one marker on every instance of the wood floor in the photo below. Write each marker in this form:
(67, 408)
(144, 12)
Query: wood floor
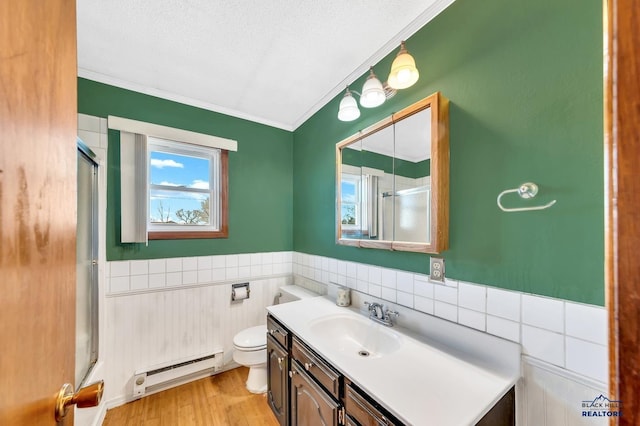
(214, 401)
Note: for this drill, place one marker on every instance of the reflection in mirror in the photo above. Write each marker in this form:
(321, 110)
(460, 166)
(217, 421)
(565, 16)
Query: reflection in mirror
(350, 191)
(377, 171)
(388, 196)
(412, 186)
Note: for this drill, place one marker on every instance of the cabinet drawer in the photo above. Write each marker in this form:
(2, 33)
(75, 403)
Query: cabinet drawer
(316, 367)
(364, 412)
(278, 332)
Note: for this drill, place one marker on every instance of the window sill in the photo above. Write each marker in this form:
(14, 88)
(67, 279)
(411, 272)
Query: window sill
(188, 235)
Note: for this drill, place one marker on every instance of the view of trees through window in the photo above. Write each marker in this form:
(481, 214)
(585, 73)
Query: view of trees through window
(184, 216)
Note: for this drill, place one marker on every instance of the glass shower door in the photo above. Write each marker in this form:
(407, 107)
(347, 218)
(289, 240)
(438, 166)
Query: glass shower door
(86, 265)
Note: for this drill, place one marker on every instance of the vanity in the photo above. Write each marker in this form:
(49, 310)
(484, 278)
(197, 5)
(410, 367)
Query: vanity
(333, 365)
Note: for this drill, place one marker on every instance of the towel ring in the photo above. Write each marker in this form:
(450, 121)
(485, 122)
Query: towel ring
(526, 190)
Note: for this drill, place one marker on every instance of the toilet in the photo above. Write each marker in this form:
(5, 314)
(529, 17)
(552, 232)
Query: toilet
(250, 344)
(250, 350)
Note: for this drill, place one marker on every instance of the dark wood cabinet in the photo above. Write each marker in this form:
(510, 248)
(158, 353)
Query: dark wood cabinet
(278, 380)
(310, 403)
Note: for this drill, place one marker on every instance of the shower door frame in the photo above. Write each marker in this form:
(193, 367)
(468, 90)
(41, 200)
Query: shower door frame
(90, 156)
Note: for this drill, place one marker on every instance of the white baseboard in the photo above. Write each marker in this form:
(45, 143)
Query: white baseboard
(124, 399)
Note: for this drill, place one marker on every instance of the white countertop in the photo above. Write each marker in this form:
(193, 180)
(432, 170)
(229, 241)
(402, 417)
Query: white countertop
(435, 379)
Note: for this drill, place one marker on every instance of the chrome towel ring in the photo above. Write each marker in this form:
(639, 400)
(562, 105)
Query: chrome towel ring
(526, 190)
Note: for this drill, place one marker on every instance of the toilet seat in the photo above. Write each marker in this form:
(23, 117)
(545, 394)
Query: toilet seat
(251, 339)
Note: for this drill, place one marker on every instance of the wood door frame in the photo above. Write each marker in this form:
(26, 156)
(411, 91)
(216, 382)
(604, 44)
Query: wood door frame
(622, 202)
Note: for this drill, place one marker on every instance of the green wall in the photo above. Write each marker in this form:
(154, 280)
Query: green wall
(525, 84)
(260, 175)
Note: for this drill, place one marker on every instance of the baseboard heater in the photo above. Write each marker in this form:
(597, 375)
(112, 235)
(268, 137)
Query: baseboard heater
(163, 376)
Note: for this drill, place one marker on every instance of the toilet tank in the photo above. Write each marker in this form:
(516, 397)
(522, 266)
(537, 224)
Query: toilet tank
(290, 293)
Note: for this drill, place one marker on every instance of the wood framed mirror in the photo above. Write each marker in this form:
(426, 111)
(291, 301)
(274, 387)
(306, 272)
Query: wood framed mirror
(392, 181)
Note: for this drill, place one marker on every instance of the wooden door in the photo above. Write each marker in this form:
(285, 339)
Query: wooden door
(622, 232)
(38, 105)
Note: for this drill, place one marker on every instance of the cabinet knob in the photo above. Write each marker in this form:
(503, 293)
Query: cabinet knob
(280, 359)
(292, 373)
(308, 365)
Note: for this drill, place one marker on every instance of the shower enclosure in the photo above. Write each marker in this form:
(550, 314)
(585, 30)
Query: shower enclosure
(86, 265)
(405, 214)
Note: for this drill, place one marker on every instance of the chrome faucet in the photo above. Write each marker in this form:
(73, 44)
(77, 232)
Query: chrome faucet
(379, 313)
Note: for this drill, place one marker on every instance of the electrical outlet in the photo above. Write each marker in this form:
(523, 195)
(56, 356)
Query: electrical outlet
(436, 269)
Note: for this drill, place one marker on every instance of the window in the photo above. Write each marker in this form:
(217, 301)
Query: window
(187, 194)
(358, 202)
(350, 202)
(173, 182)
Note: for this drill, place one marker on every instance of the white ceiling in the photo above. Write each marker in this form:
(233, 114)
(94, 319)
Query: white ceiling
(274, 62)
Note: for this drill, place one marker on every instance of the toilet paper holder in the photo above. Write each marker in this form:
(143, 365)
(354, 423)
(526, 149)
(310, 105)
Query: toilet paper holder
(240, 291)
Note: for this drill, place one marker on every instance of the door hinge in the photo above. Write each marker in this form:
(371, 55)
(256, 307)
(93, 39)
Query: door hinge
(341, 419)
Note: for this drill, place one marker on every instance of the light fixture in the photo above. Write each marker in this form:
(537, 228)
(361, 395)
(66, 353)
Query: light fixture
(373, 94)
(348, 110)
(403, 70)
(403, 74)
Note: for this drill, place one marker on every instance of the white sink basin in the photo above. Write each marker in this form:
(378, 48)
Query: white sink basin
(356, 336)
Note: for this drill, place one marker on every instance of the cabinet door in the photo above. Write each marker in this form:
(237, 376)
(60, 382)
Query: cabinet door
(278, 380)
(310, 404)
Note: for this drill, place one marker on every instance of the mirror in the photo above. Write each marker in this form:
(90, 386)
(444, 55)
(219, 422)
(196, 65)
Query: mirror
(392, 181)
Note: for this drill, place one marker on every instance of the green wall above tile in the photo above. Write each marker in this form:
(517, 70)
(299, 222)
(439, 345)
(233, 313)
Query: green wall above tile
(524, 80)
(260, 175)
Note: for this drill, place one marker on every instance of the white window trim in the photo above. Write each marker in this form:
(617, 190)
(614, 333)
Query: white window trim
(170, 133)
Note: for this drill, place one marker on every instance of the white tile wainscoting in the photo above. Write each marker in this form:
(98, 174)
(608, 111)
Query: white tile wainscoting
(564, 343)
(164, 310)
(129, 276)
(153, 327)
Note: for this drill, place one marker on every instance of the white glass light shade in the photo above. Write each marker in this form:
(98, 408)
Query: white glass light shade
(372, 92)
(348, 110)
(403, 70)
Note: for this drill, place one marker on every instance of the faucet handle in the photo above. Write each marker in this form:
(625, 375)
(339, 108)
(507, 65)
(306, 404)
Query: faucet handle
(394, 313)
